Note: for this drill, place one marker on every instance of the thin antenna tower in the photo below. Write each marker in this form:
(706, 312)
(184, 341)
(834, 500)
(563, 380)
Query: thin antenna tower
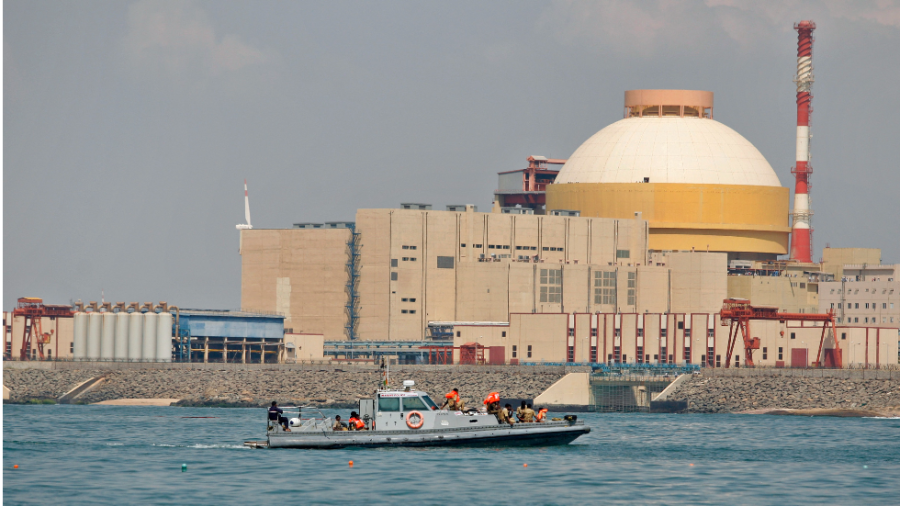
(246, 226)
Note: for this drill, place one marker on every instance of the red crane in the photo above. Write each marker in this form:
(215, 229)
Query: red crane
(33, 310)
(737, 313)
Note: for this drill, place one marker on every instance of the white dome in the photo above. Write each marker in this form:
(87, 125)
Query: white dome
(668, 150)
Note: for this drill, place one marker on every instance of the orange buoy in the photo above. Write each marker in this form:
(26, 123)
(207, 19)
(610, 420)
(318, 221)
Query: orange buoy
(524, 465)
(692, 465)
(16, 466)
(351, 463)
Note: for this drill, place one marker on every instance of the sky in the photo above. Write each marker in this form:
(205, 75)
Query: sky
(129, 127)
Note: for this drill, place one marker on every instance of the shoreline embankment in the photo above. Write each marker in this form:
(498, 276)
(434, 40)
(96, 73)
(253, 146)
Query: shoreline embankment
(802, 392)
(254, 385)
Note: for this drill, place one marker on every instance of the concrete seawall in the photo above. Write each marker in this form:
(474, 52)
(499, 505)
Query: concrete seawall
(761, 390)
(258, 385)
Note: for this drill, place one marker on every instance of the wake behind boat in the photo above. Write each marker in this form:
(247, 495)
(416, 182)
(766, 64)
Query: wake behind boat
(410, 417)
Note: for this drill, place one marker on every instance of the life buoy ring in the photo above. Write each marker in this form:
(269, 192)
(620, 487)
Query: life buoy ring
(409, 422)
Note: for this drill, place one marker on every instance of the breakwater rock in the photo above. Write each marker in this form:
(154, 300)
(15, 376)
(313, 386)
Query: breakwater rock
(250, 388)
(36, 385)
(713, 394)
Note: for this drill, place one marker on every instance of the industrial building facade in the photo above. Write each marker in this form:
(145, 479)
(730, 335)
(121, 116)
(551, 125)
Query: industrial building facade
(673, 338)
(421, 266)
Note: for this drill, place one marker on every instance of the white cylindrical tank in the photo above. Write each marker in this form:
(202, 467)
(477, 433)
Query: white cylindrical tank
(164, 337)
(108, 337)
(79, 340)
(93, 336)
(135, 336)
(121, 350)
(148, 350)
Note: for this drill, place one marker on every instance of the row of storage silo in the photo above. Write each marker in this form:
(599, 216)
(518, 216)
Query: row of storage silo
(123, 337)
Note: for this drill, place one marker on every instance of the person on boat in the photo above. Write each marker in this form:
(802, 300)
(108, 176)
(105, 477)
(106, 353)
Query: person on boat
(338, 424)
(355, 422)
(527, 414)
(493, 404)
(520, 412)
(453, 401)
(541, 414)
(275, 415)
(505, 415)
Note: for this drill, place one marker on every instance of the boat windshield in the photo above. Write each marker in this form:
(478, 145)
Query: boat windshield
(413, 403)
(430, 402)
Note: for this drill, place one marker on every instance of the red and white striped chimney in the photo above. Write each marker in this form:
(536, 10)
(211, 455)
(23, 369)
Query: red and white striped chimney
(801, 236)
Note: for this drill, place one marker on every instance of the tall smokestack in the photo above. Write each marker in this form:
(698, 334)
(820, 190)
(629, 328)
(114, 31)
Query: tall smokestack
(801, 237)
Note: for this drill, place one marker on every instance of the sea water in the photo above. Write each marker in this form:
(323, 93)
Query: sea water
(134, 455)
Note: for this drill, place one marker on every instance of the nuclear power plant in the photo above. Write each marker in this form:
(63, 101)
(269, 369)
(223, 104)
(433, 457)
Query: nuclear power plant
(647, 245)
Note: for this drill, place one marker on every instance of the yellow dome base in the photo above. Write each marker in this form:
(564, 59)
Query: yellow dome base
(731, 218)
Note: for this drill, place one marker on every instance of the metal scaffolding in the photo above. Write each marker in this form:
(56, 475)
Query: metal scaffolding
(351, 329)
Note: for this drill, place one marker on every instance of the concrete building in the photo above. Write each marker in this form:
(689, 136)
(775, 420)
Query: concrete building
(699, 184)
(674, 338)
(792, 287)
(418, 266)
(58, 343)
(232, 336)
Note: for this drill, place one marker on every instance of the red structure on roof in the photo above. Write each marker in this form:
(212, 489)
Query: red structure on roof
(528, 189)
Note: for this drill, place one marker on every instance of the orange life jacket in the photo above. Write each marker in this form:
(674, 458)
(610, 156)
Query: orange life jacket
(358, 423)
(541, 413)
(453, 395)
(492, 398)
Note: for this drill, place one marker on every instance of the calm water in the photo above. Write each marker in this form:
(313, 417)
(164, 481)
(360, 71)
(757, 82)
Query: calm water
(133, 455)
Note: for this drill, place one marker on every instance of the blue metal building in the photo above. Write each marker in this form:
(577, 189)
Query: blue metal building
(230, 336)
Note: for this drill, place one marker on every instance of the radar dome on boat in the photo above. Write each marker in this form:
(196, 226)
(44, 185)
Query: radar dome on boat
(409, 383)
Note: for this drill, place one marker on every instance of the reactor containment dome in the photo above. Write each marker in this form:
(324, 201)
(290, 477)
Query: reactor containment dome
(698, 183)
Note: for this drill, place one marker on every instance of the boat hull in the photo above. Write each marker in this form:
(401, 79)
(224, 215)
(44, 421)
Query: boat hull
(519, 435)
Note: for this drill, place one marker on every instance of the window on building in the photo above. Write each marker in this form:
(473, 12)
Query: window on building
(867, 305)
(404, 311)
(687, 354)
(593, 332)
(571, 332)
(632, 285)
(605, 287)
(718, 360)
(490, 246)
(857, 305)
(793, 335)
(623, 253)
(680, 325)
(856, 320)
(71, 347)
(529, 351)
(865, 320)
(393, 276)
(765, 353)
(663, 332)
(839, 305)
(405, 247)
(884, 305)
(478, 246)
(445, 262)
(640, 333)
(463, 245)
(514, 351)
(412, 259)
(406, 259)
(412, 311)
(404, 299)
(710, 332)
(394, 262)
(458, 333)
(551, 285)
(503, 334)
(545, 248)
(412, 299)
(780, 353)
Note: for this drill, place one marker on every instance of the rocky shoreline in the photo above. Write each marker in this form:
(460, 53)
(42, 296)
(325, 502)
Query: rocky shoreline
(806, 396)
(255, 388)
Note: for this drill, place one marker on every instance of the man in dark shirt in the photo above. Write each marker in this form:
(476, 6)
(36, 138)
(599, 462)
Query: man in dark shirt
(275, 415)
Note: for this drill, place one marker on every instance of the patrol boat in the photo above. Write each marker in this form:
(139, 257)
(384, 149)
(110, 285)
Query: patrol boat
(410, 417)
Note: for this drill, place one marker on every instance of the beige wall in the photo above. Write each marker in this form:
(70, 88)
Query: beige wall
(300, 273)
(834, 259)
(788, 294)
(306, 347)
(699, 281)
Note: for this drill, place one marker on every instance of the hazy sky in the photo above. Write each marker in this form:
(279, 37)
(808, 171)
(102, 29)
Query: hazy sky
(130, 126)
